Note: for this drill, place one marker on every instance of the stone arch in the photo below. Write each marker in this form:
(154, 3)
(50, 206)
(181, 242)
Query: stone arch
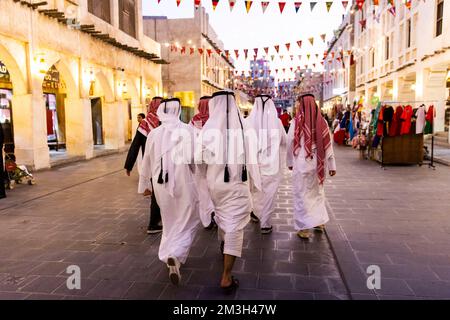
(71, 83)
(106, 87)
(19, 83)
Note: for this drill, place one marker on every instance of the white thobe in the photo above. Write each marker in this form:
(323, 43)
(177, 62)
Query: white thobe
(420, 122)
(206, 206)
(309, 196)
(179, 213)
(271, 176)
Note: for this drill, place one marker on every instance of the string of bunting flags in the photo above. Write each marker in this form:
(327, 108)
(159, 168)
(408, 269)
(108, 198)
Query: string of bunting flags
(265, 4)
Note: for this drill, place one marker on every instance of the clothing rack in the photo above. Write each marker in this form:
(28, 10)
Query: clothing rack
(431, 164)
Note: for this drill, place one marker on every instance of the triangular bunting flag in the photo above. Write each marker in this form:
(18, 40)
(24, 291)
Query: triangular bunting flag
(360, 4)
(266, 50)
(281, 58)
(277, 48)
(281, 5)
(408, 4)
(288, 46)
(363, 23)
(323, 36)
(214, 4)
(178, 3)
(300, 57)
(200, 50)
(311, 40)
(328, 4)
(264, 5)
(376, 2)
(256, 51)
(345, 4)
(292, 58)
(299, 43)
(236, 53)
(232, 3)
(191, 51)
(246, 53)
(248, 5)
(308, 56)
(197, 4)
(209, 51)
(297, 6)
(393, 11)
(272, 57)
(312, 4)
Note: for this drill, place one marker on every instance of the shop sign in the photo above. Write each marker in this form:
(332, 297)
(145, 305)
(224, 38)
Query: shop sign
(4, 74)
(51, 79)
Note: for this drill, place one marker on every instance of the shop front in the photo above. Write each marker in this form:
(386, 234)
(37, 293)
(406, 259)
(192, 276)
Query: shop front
(6, 117)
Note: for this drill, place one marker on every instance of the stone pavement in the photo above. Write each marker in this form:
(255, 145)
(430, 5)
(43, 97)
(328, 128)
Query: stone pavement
(398, 219)
(89, 214)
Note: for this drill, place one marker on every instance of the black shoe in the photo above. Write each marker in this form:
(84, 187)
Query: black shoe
(154, 230)
(266, 230)
(254, 218)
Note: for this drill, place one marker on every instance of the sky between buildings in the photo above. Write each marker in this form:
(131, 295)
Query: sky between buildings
(241, 30)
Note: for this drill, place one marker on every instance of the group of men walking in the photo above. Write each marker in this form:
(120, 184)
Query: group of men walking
(223, 170)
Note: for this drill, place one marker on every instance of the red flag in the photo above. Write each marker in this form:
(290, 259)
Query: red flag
(363, 23)
(178, 3)
(209, 51)
(236, 52)
(264, 5)
(183, 50)
(277, 48)
(392, 11)
(246, 53)
(227, 54)
(299, 43)
(219, 52)
(288, 45)
(345, 4)
(191, 51)
(266, 50)
(200, 50)
(256, 51)
(281, 5)
(214, 4)
(197, 4)
(360, 4)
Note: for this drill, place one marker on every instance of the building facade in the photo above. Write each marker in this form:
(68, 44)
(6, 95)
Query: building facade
(339, 74)
(74, 74)
(198, 63)
(403, 55)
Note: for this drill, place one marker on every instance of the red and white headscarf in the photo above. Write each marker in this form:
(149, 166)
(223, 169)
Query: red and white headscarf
(310, 125)
(151, 121)
(202, 116)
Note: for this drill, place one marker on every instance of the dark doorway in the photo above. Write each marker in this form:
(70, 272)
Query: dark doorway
(97, 121)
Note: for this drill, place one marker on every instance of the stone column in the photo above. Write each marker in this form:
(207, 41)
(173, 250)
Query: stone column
(30, 131)
(113, 124)
(79, 139)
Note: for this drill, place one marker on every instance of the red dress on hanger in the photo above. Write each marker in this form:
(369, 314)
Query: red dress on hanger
(396, 125)
(380, 124)
(406, 120)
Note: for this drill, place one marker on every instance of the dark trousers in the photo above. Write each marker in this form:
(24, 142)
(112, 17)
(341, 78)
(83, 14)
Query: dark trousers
(155, 212)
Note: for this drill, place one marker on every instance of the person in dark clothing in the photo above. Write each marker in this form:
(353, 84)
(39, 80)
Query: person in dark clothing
(2, 165)
(146, 124)
(286, 120)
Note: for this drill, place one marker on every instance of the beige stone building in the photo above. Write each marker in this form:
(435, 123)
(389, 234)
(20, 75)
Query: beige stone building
(405, 57)
(73, 76)
(190, 76)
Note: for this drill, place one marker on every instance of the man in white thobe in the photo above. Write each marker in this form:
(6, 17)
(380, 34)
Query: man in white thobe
(167, 161)
(310, 154)
(231, 167)
(271, 155)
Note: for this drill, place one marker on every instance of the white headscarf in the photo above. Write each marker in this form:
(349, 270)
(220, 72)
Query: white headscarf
(225, 118)
(169, 114)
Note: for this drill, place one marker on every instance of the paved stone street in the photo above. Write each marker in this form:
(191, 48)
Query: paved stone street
(398, 219)
(89, 214)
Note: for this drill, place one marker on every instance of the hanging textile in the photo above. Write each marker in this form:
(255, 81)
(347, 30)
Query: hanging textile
(429, 120)
(420, 122)
(406, 120)
(396, 124)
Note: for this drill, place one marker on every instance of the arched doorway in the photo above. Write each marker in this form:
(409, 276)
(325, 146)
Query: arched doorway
(55, 92)
(6, 116)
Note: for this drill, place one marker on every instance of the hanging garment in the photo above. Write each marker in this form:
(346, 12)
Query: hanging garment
(206, 206)
(388, 115)
(374, 123)
(380, 123)
(420, 119)
(311, 155)
(431, 113)
(406, 120)
(230, 173)
(173, 182)
(396, 124)
(271, 155)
